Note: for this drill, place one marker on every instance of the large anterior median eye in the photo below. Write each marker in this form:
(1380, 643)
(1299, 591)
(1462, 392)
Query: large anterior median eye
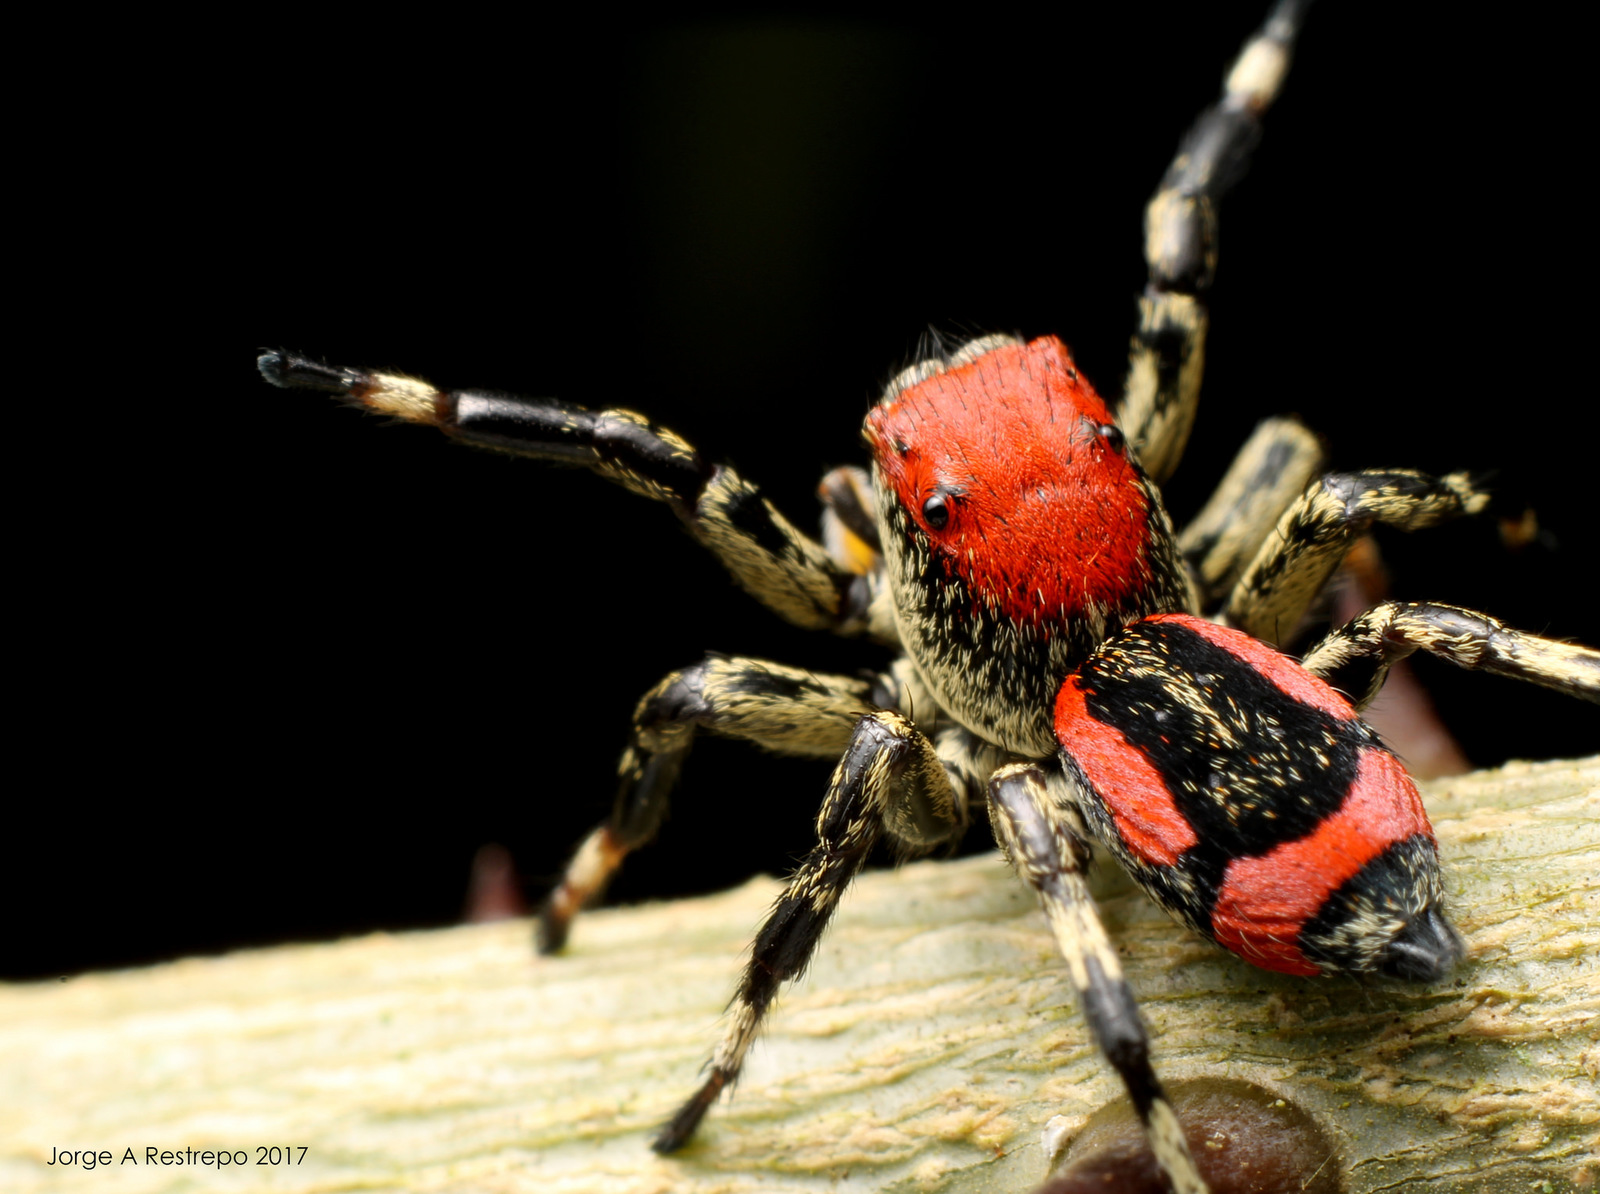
(936, 511)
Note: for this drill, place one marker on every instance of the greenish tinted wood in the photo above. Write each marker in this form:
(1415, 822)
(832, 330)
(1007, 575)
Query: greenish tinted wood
(927, 1050)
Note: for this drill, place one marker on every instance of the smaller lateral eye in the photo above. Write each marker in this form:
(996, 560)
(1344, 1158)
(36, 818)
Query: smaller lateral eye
(936, 511)
(1112, 434)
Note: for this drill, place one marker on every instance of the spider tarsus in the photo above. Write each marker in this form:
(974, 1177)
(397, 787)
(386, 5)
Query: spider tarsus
(1286, 18)
(550, 934)
(272, 365)
(290, 371)
(676, 1133)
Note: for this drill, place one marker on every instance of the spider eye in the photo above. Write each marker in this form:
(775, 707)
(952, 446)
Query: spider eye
(936, 512)
(1113, 436)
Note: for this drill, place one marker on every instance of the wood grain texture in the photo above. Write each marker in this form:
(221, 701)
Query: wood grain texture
(930, 1045)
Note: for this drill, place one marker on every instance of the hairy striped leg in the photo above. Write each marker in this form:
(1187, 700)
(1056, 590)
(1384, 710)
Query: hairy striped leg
(1357, 656)
(889, 784)
(1277, 471)
(849, 525)
(785, 570)
(1318, 530)
(1052, 856)
(784, 709)
(1167, 356)
(1273, 468)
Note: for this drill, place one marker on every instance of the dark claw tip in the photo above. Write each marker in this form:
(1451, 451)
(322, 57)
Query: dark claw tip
(291, 371)
(274, 367)
(676, 1134)
(550, 933)
(682, 1125)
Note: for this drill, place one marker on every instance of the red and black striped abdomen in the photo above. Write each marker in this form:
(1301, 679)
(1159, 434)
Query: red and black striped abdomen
(1253, 803)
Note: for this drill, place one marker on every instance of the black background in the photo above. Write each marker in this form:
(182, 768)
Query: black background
(286, 667)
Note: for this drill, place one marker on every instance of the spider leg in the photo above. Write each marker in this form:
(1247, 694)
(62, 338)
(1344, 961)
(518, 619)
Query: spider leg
(1316, 532)
(787, 710)
(787, 571)
(890, 783)
(1167, 356)
(849, 525)
(1272, 469)
(1052, 855)
(1356, 657)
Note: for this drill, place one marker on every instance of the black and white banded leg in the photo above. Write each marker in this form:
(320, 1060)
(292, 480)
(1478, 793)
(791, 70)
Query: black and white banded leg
(787, 571)
(849, 523)
(1052, 855)
(1279, 460)
(1167, 356)
(784, 709)
(1317, 531)
(1357, 656)
(889, 784)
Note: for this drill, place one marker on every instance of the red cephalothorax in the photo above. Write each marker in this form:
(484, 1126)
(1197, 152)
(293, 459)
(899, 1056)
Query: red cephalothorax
(1012, 468)
(1018, 531)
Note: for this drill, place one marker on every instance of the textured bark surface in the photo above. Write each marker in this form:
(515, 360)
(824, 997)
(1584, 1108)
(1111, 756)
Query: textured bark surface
(930, 1045)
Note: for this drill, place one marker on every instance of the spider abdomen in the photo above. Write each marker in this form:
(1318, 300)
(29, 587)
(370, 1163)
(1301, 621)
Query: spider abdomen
(1253, 803)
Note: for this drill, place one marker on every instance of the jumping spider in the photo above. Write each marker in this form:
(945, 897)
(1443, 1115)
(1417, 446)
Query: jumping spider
(1055, 665)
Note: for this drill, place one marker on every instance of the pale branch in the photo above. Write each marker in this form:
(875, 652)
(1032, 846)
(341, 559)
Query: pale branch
(933, 1040)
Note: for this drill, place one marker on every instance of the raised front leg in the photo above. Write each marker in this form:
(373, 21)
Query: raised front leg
(1167, 357)
(784, 709)
(790, 573)
(891, 784)
(1052, 857)
(1357, 656)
